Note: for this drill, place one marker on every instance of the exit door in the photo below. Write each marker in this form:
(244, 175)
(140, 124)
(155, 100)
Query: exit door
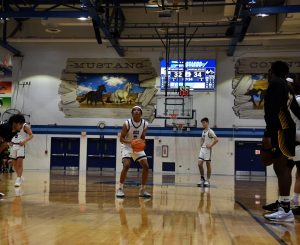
(247, 158)
(101, 153)
(64, 152)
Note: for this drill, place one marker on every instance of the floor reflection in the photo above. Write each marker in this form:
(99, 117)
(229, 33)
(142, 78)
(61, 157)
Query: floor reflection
(135, 234)
(81, 208)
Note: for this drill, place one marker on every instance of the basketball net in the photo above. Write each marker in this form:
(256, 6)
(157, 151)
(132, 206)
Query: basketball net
(179, 127)
(173, 117)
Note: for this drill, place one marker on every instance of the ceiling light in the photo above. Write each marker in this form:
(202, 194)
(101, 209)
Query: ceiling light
(262, 15)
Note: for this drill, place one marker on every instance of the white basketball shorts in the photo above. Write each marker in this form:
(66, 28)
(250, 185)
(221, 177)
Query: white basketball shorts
(127, 152)
(17, 151)
(205, 154)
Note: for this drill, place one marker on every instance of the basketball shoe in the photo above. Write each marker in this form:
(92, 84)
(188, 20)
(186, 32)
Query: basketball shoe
(120, 193)
(206, 183)
(201, 183)
(18, 182)
(272, 206)
(144, 194)
(281, 216)
(294, 202)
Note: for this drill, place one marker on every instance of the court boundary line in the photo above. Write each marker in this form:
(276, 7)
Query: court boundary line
(262, 224)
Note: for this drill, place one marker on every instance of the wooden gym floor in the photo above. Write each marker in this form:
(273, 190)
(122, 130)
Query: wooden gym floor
(71, 208)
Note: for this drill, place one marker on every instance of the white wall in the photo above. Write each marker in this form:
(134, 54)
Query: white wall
(42, 65)
(183, 151)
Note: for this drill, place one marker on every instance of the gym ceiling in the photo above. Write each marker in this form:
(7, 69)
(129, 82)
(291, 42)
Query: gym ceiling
(126, 25)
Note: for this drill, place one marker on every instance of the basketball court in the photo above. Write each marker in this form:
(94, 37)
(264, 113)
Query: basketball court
(75, 69)
(67, 208)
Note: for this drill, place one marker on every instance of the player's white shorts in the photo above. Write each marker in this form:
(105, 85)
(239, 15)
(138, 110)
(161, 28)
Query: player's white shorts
(205, 154)
(17, 151)
(297, 154)
(127, 152)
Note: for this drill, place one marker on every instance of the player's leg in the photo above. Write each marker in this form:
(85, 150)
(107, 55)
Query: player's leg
(3, 146)
(201, 170)
(144, 163)
(207, 181)
(126, 165)
(18, 164)
(283, 172)
(200, 166)
(295, 200)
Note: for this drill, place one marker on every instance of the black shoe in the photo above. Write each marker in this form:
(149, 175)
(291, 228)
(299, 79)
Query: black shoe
(296, 210)
(272, 206)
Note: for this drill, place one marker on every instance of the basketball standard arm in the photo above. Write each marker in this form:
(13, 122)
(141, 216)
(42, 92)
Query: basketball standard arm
(123, 135)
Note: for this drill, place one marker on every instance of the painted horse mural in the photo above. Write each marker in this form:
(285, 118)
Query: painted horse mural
(94, 96)
(122, 95)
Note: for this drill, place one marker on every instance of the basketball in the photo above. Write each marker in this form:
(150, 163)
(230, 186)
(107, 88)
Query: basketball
(138, 145)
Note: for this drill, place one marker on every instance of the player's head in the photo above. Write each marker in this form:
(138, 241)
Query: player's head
(16, 121)
(136, 110)
(279, 69)
(205, 122)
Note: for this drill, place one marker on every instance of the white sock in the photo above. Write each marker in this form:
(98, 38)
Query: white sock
(284, 199)
(121, 186)
(296, 196)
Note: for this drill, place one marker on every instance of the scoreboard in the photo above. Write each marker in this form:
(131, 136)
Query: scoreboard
(199, 74)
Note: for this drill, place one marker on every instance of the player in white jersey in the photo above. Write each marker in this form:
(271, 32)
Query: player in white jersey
(295, 200)
(17, 151)
(208, 140)
(133, 128)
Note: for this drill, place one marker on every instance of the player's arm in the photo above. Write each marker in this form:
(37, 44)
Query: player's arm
(215, 141)
(143, 135)
(28, 131)
(123, 135)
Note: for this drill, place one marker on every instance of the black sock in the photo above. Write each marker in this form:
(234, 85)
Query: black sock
(285, 206)
(202, 177)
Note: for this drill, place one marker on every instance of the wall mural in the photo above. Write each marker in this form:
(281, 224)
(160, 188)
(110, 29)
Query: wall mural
(250, 83)
(107, 88)
(5, 83)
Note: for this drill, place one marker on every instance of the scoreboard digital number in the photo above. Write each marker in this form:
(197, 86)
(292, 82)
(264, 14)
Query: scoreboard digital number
(199, 74)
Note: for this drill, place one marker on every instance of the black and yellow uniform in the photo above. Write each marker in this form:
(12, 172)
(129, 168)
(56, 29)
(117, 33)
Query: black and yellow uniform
(280, 126)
